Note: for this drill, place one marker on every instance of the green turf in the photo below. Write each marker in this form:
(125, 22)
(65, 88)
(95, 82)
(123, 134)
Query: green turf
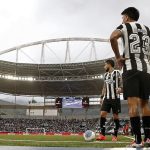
(59, 141)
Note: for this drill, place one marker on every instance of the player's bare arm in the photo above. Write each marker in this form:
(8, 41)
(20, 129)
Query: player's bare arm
(114, 43)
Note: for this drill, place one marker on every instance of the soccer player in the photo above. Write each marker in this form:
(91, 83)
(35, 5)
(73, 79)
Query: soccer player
(136, 70)
(110, 99)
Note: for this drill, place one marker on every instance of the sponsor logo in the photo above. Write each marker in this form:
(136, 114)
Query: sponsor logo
(109, 81)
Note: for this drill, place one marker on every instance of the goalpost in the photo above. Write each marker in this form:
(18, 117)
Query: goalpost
(35, 131)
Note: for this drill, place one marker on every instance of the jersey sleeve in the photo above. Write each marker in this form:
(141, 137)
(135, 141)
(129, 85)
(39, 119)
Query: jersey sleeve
(105, 76)
(120, 28)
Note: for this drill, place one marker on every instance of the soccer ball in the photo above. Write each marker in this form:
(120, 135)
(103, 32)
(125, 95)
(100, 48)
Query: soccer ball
(89, 135)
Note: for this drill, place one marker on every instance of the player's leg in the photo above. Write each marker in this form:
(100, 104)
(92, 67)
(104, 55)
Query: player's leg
(145, 109)
(116, 127)
(103, 114)
(131, 88)
(145, 118)
(116, 108)
(133, 103)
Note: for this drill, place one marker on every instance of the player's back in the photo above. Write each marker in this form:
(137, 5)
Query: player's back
(136, 38)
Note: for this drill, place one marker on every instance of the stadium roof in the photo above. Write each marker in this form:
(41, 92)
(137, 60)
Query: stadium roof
(67, 79)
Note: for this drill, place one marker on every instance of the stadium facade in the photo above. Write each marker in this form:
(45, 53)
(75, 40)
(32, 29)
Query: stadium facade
(52, 80)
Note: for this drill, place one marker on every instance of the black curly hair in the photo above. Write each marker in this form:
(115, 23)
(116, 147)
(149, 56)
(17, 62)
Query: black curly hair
(111, 62)
(131, 12)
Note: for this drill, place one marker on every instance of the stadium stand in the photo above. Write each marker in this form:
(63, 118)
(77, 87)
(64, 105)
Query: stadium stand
(14, 125)
(52, 125)
(52, 79)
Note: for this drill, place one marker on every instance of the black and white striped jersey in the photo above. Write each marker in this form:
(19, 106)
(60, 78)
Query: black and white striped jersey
(112, 81)
(136, 42)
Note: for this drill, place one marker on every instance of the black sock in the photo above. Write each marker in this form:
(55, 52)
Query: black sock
(146, 126)
(136, 127)
(116, 121)
(102, 125)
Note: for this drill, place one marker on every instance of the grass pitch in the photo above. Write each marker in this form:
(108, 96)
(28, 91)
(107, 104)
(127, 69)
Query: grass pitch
(60, 141)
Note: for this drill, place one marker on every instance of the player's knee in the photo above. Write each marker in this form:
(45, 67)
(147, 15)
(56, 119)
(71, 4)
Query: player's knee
(115, 116)
(145, 111)
(103, 114)
(133, 112)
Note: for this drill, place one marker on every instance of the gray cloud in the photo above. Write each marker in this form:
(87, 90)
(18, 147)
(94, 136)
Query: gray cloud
(64, 18)
(31, 20)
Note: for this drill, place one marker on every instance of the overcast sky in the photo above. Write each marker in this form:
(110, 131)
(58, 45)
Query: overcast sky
(24, 21)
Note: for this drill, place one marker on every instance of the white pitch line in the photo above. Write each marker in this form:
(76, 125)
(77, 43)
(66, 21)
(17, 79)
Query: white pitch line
(129, 137)
(98, 142)
(117, 142)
